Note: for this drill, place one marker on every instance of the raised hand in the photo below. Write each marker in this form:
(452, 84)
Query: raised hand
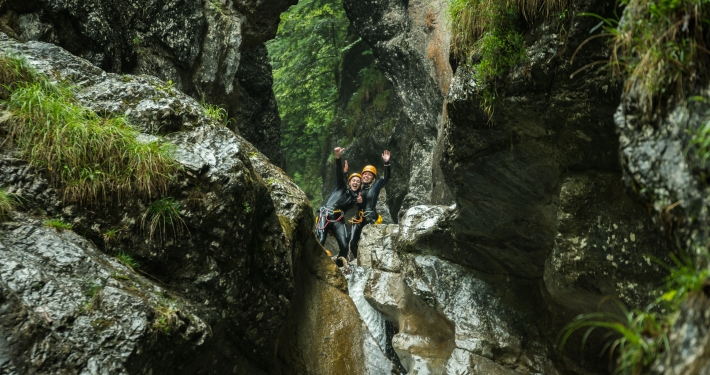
(386, 156)
(338, 151)
(359, 197)
(345, 169)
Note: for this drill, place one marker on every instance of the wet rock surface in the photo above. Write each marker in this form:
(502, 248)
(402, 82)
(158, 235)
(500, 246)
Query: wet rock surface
(244, 222)
(451, 319)
(211, 50)
(410, 45)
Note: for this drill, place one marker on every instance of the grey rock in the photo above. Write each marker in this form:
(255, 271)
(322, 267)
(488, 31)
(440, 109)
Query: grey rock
(236, 261)
(197, 45)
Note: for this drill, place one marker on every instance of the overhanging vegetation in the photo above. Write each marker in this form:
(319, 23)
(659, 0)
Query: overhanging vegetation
(93, 159)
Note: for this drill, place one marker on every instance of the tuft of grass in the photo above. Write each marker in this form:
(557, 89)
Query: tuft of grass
(214, 112)
(161, 215)
(638, 336)
(488, 31)
(57, 224)
(660, 49)
(93, 158)
(8, 202)
(127, 261)
(110, 235)
(166, 316)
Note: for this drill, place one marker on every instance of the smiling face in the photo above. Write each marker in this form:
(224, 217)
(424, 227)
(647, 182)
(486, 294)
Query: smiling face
(355, 183)
(367, 177)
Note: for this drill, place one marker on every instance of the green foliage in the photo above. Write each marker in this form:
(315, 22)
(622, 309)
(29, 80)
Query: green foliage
(57, 224)
(110, 235)
(165, 316)
(216, 5)
(93, 158)
(638, 336)
(7, 204)
(306, 56)
(700, 143)
(489, 32)
(161, 215)
(660, 49)
(214, 112)
(372, 91)
(247, 208)
(127, 261)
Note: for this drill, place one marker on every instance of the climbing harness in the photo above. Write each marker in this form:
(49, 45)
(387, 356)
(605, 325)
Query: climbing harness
(323, 217)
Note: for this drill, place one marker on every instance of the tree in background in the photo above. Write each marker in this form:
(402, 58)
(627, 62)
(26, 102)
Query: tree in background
(306, 56)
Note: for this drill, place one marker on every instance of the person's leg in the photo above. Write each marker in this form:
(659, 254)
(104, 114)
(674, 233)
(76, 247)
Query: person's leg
(355, 238)
(340, 230)
(322, 235)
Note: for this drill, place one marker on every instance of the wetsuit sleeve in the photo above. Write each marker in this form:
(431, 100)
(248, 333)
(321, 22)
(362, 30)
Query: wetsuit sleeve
(339, 175)
(382, 181)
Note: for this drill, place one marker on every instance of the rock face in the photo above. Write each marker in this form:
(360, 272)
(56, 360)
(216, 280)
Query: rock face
(211, 50)
(451, 320)
(666, 172)
(232, 268)
(411, 45)
(542, 227)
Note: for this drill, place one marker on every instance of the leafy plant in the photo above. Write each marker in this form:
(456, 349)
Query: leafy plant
(7, 204)
(637, 336)
(161, 215)
(127, 261)
(306, 56)
(247, 208)
(165, 316)
(216, 5)
(93, 158)
(57, 224)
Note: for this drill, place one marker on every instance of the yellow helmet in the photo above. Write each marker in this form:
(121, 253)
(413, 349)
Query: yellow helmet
(358, 175)
(371, 169)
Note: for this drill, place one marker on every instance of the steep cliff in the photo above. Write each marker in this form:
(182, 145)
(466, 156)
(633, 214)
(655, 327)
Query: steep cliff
(211, 50)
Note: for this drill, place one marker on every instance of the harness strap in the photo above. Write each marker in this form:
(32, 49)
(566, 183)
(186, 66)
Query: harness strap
(323, 217)
(358, 219)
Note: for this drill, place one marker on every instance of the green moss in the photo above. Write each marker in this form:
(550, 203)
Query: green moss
(95, 159)
(57, 224)
(287, 225)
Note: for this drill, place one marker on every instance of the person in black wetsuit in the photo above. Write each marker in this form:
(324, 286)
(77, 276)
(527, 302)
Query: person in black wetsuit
(330, 216)
(368, 207)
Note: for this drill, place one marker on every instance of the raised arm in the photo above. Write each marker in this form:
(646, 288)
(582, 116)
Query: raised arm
(339, 174)
(386, 176)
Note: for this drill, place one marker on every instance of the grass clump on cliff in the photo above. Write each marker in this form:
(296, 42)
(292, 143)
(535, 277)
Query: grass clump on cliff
(638, 336)
(161, 215)
(91, 157)
(7, 204)
(487, 35)
(660, 48)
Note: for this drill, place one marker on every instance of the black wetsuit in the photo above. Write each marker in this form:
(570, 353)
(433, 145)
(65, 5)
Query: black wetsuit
(330, 217)
(370, 193)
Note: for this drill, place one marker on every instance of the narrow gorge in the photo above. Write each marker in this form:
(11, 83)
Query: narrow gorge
(162, 165)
